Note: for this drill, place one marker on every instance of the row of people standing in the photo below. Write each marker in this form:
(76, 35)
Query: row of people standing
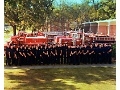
(58, 54)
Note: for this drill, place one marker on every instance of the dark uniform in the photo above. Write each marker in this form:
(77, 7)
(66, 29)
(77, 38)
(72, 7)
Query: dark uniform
(49, 54)
(96, 54)
(34, 55)
(7, 54)
(12, 50)
(109, 54)
(32, 52)
(20, 61)
(73, 55)
(61, 55)
(78, 55)
(100, 53)
(16, 56)
(37, 55)
(58, 49)
(91, 55)
(64, 48)
(82, 56)
(105, 54)
(40, 54)
(85, 54)
(25, 55)
(45, 51)
(68, 55)
(53, 55)
(29, 56)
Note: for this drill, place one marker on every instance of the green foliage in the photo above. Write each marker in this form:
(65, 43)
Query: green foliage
(27, 13)
(107, 9)
(35, 13)
(114, 51)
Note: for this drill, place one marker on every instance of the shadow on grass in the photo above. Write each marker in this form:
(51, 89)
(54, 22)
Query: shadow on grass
(60, 79)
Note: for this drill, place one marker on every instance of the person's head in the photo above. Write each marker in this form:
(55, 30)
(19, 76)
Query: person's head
(91, 45)
(11, 46)
(17, 48)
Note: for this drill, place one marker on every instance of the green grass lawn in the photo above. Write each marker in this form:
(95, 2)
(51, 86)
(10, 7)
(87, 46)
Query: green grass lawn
(93, 78)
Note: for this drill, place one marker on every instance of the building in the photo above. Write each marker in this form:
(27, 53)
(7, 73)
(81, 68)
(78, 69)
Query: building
(103, 27)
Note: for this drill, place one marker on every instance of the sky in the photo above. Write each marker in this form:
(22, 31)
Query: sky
(68, 1)
(57, 2)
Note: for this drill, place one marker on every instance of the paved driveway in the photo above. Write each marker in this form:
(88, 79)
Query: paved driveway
(59, 66)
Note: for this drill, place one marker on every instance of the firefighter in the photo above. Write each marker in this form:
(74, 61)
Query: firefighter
(16, 56)
(20, 56)
(43, 55)
(73, 55)
(25, 55)
(68, 55)
(53, 55)
(77, 54)
(109, 53)
(32, 51)
(64, 47)
(7, 49)
(100, 53)
(55, 47)
(58, 53)
(81, 54)
(40, 54)
(9, 55)
(29, 56)
(49, 54)
(65, 53)
(85, 54)
(105, 53)
(102, 56)
(96, 58)
(37, 55)
(61, 54)
(12, 51)
(91, 54)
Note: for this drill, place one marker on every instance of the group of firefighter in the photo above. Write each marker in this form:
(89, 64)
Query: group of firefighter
(52, 54)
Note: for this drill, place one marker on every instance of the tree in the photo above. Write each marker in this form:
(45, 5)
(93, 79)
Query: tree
(107, 9)
(27, 13)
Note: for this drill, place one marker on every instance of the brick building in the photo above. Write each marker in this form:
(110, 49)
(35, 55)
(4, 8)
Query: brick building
(104, 27)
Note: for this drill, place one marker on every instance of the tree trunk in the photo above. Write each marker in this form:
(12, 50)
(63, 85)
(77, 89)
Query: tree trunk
(14, 30)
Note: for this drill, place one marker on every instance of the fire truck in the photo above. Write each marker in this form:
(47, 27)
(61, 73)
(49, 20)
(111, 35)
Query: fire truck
(70, 38)
(78, 38)
(93, 38)
(23, 38)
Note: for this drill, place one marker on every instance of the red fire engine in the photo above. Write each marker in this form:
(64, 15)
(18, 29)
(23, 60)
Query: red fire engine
(70, 38)
(23, 38)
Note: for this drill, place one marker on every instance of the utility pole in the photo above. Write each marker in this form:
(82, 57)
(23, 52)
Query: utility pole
(83, 34)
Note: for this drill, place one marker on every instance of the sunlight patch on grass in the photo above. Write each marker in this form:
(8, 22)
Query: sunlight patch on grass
(57, 80)
(60, 79)
(40, 80)
(15, 72)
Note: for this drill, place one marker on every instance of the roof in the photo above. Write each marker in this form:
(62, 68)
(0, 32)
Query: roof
(103, 22)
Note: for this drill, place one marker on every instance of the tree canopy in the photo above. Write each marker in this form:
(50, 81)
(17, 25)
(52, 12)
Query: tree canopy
(35, 13)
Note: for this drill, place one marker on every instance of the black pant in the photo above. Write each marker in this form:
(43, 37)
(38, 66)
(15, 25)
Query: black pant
(58, 59)
(9, 61)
